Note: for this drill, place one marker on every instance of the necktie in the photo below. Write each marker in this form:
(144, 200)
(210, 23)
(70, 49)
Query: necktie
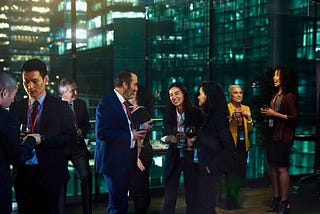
(128, 113)
(35, 111)
(34, 115)
(74, 115)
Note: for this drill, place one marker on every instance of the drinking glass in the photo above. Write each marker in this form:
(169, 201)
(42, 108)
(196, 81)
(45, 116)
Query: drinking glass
(265, 106)
(24, 130)
(190, 132)
(180, 137)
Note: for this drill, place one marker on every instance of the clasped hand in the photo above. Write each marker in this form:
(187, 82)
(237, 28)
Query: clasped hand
(35, 135)
(174, 139)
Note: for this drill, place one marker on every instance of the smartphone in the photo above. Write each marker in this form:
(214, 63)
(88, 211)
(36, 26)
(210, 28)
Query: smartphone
(140, 128)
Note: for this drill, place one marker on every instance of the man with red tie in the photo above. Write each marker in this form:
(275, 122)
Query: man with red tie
(40, 180)
(78, 153)
(116, 151)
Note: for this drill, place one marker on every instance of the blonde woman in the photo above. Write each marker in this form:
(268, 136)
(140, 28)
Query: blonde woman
(240, 125)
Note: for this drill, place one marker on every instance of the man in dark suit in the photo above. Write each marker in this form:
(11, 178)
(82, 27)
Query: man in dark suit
(115, 152)
(11, 150)
(79, 154)
(40, 180)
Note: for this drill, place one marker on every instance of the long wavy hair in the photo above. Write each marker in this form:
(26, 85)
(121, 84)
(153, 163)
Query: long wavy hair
(289, 79)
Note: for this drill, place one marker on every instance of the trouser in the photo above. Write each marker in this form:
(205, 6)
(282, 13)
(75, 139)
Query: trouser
(190, 178)
(207, 191)
(35, 196)
(80, 161)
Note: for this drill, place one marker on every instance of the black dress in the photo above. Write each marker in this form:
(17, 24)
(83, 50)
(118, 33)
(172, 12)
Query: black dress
(139, 188)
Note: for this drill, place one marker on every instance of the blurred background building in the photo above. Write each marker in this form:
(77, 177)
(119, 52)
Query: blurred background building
(164, 41)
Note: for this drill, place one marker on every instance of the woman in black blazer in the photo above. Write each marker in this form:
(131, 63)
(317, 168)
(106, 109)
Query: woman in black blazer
(142, 102)
(180, 113)
(215, 143)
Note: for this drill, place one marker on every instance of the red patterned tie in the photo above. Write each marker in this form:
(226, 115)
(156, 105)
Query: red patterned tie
(34, 115)
(128, 113)
(35, 111)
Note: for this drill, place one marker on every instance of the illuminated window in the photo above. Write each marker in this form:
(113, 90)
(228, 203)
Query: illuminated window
(113, 15)
(29, 28)
(95, 41)
(4, 25)
(80, 33)
(110, 37)
(66, 6)
(40, 9)
(94, 23)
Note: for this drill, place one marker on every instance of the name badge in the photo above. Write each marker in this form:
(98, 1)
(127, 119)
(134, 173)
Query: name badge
(270, 122)
(241, 136)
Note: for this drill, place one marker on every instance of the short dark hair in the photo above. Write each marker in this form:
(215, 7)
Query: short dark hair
(35, 65)
(124, 75)
(7, 81)
(63, 83)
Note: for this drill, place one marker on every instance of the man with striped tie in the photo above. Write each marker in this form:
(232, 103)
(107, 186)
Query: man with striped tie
(78, 153)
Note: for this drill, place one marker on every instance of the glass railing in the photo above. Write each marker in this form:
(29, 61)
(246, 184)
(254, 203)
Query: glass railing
(302, 159)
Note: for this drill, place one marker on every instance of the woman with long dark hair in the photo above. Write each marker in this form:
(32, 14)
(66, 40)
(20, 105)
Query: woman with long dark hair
(215, 143)
(180, 114)
(280, 131)
(143, 102)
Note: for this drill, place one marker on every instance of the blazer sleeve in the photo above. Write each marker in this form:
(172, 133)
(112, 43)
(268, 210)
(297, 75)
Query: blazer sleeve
(16, 152)
(221, 149)
(82, 117)
(111, 122)
(57, 129)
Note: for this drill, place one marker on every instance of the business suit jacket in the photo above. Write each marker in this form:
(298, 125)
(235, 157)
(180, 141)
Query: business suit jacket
(11, 152)
(56, 124)
(192, 117)
(247, 125)
(216, 143)
(112, 152)
(82, 117)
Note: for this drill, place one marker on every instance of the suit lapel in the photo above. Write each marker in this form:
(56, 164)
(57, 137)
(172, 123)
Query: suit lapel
(118, 106)
(44, 113)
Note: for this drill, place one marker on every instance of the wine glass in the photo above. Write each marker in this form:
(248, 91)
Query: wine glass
(190, 132)
(265, 106)
(180, 137)
(24, 130)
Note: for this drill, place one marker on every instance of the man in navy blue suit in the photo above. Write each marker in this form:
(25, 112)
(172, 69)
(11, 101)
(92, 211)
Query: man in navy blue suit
(115, 152)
